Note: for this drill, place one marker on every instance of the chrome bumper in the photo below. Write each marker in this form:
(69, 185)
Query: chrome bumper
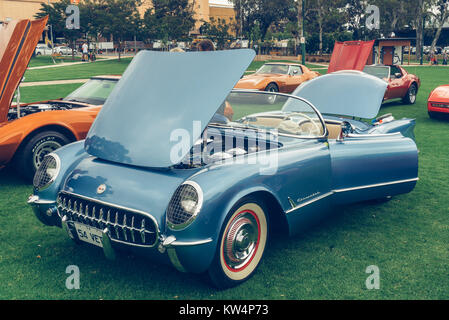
(165, 244)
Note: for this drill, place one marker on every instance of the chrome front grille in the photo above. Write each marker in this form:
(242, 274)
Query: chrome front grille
(125, 225)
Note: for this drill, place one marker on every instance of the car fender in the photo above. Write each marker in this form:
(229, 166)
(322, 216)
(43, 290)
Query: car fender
(211, 219)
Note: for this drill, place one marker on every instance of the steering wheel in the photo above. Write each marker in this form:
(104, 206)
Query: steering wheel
(317, 129)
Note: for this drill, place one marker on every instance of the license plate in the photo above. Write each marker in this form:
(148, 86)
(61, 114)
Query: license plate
(89, 234)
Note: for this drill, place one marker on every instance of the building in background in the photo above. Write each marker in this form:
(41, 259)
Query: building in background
(204, 10)
(20, 9)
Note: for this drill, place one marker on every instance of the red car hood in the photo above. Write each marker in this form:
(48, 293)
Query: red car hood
(440, 94)
(18, 39)
(350, 55)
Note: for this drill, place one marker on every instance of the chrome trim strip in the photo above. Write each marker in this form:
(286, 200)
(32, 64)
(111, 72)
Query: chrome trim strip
(376, 185)
(34, 200)
(349, 189)
(175, 260)
(193, 243)
(377, 135)
(325, 195)
(108, 250)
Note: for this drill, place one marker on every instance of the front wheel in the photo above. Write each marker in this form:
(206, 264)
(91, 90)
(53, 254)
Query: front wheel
(31, 154)
(272, 88)
(242, 243)
(410, 97)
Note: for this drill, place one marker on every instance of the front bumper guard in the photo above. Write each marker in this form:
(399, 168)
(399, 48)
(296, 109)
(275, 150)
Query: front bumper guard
(169, 244)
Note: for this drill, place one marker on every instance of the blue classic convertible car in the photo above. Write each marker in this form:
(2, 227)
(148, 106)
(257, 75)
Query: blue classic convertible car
(164, 174)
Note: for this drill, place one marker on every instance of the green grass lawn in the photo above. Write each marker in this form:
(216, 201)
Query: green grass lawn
(79, 71)
(407, 238)
(39, 61)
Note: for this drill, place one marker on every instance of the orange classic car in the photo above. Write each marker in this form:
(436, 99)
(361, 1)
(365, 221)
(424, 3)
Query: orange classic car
(30, 131)
(277, 77)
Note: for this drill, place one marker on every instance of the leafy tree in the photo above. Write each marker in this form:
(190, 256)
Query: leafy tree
(117, 18)
(57, 20)
(441, 16)
(217, 30)
(169, 19)
(263, 12)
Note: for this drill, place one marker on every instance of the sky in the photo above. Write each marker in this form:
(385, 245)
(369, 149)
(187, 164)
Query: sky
(225, 2)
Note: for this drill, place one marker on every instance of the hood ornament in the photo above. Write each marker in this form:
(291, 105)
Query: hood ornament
(101, 189)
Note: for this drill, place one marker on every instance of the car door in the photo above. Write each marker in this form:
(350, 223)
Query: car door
(294, 78)
(366, 167)
(397, 84)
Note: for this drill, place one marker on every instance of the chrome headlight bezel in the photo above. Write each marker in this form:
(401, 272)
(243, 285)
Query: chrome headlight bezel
(38, 176)
(174, 201)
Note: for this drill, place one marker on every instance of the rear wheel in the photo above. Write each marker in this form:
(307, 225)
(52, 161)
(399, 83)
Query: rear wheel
(410, 97)
(242, 244)
(31, 154)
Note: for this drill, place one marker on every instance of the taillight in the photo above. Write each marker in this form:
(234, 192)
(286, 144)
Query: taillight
(439, 105)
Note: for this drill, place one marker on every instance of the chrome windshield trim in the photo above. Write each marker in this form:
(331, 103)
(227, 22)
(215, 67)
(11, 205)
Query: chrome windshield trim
(320, 116)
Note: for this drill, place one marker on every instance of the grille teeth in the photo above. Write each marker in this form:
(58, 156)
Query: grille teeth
(176, 214)
(124, 224)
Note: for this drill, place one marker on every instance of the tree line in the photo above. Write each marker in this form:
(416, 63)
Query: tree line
(259, 21)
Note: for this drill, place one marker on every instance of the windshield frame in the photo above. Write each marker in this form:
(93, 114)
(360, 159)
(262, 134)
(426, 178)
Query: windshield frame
(379, 67)
(320, 116)
(67, 98)
(274, 64)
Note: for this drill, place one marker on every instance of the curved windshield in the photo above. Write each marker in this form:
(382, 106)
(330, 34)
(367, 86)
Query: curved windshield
(94, 91)
(381, 72)
(273, 68)
(283, 114)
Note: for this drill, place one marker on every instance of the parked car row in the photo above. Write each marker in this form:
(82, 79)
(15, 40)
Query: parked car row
(45, 50)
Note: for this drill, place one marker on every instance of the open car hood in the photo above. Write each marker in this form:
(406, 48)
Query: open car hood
(162, 104)
(350, 55)
(345, 93)
(18, 40)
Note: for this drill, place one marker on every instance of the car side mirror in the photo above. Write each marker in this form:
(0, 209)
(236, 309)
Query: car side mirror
(398, 75)
(346, 129)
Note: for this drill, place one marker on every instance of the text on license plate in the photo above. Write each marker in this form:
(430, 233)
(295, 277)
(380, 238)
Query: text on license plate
(89, 234)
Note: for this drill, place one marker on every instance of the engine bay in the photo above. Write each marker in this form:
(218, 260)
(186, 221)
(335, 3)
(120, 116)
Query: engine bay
(33, 108)
(219, 144)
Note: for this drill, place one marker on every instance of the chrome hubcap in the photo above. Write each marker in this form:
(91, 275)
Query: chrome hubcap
(42, 150)
(412, 94)
(241, 241)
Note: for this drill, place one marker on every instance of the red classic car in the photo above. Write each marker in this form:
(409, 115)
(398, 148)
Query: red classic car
(353, 55)
(401, 84)
(438, 102)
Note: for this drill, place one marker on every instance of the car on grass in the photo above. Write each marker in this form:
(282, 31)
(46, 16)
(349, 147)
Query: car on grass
(30, 131)
(277, 77)
(438, 102)
(401, 84)
(64, 50)
(43, 50)
(167, 176)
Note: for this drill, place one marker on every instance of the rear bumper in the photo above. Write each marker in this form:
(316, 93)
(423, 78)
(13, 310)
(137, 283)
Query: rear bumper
(430, 108)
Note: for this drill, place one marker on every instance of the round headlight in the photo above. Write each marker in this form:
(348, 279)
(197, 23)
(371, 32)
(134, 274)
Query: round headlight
(47, 171)
(184, 205)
